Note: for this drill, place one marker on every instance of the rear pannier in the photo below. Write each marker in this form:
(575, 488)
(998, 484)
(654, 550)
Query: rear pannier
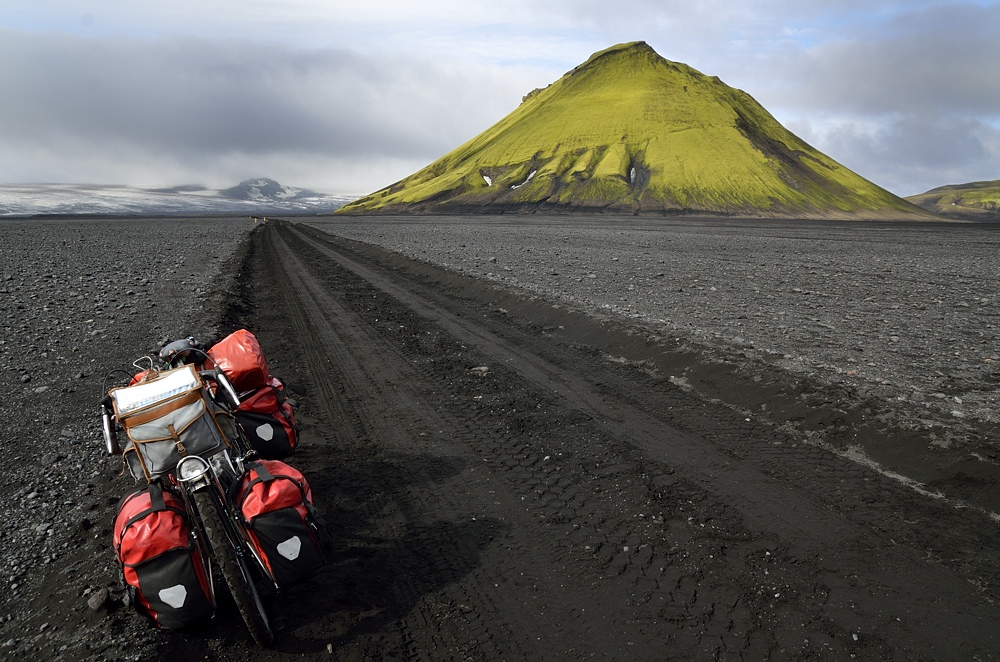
(166, 416)
(267, 419)
(240, 357)
(284, 527)
(159, 558)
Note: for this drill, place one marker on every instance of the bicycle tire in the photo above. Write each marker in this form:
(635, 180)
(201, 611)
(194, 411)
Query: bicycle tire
(234, 571)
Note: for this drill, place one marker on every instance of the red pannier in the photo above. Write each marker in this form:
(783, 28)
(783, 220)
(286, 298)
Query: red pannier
(283, 525)
(240, 357)
(160, 560)
(267, 419)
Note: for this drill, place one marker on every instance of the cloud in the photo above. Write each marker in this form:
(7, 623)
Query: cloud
(199, 102)
(909, 153)
(940, 59)
(908, 102)
(114, 90)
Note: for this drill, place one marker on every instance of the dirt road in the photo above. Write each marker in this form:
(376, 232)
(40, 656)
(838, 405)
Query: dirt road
(501, 490)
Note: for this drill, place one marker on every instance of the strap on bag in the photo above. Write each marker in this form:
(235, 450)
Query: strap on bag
(156, 500)
(282, 395)
(178, 444)
(156, 504)
(264, 476)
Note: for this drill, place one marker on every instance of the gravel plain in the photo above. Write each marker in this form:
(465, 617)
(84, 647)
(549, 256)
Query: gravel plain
(80, 298)
(911, 311)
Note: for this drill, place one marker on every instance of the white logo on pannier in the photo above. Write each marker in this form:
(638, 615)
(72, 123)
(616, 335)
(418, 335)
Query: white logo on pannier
(265, 431)
(290, 548)
(174, 596)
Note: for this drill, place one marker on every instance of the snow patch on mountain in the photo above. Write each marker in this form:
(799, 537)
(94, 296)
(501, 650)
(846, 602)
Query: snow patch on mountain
(265, 189)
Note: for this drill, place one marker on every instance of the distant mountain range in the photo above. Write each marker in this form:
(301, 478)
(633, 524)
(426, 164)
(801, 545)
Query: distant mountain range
(975, 201)
(629, 131)
(260, 196)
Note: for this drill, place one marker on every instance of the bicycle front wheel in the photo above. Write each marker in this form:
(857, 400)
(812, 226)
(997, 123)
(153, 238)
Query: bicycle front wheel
(234, 570)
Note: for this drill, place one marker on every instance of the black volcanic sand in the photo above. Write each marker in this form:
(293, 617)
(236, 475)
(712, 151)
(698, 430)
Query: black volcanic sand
(671, 440)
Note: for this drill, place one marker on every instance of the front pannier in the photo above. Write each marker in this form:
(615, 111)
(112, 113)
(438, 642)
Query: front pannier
(159, 558)
(283, 525)
(166, 417)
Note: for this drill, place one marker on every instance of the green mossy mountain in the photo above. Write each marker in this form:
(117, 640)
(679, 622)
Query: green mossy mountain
(977, 201)
(631, 132)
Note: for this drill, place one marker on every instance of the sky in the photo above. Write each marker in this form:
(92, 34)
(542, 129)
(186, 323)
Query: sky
(349, 97)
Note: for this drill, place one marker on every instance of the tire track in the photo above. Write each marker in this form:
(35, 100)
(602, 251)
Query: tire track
(363, 403)
(337, 342)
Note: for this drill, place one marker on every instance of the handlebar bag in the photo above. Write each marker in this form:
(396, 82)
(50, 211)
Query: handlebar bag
(267, 419)
(284, 527)
(159, 559)
(166, 417)
(240, 357)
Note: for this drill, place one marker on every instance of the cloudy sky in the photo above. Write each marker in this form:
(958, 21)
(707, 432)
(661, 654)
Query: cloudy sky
(347, 97)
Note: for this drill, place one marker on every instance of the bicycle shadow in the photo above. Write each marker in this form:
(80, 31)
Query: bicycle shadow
(374, 578)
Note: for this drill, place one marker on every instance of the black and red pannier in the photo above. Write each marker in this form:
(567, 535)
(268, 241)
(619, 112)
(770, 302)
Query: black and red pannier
(160, 560)
(282, 523)
(267, 419)
(265, 415)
